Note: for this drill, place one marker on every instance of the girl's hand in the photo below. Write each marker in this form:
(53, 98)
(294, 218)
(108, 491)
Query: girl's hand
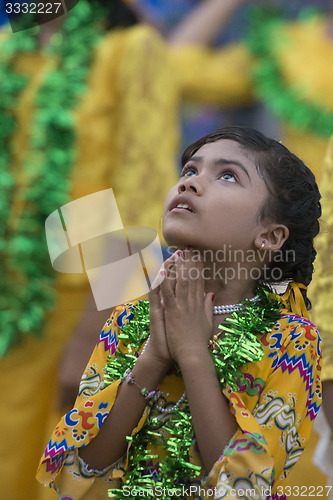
(188, 312)
(157, 347)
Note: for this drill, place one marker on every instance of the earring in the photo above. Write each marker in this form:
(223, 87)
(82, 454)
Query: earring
(263, 244)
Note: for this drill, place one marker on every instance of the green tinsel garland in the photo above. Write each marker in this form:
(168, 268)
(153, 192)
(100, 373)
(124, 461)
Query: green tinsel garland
(239, 345)
(284, 101)
(27, 278)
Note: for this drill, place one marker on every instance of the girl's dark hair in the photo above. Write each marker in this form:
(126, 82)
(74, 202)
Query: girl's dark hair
(294, 201)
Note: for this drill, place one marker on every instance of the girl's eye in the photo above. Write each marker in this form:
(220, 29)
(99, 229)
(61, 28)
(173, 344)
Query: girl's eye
(228, 176)
(188, 171)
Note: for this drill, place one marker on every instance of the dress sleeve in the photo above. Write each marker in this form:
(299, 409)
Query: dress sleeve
(60, 467)
(220, 76)
(275, 411)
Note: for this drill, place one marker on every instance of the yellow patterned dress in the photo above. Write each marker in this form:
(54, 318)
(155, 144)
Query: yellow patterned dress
(274, 406)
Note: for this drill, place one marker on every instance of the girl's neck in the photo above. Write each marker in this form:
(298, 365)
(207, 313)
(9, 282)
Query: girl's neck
(231, 292)
(230, 280)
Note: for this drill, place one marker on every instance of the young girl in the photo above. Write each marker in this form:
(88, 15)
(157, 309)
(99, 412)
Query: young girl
(211, 390)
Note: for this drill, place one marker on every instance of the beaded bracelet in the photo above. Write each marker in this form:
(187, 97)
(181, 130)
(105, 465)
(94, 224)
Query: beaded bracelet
(149, 395)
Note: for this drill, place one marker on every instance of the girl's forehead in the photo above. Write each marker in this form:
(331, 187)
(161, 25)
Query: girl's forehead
(226, 148)
(229, 151)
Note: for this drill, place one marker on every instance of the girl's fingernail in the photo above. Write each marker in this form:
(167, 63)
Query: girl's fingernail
(213, 296)
(189, 248)
(179, 253)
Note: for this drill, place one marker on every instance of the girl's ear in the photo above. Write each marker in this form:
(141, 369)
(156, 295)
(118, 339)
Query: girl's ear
(272, 238)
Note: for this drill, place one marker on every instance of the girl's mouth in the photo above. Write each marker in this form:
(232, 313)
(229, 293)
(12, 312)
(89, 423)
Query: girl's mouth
(182, 207)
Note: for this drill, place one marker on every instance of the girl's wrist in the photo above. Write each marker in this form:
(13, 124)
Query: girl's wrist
(194, 358)
(185, 351)
(152, 363)
(149, 395)
(146, 376)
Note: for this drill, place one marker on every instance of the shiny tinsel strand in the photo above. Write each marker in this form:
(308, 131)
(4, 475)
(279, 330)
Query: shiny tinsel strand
(239, 344)
(133, 335)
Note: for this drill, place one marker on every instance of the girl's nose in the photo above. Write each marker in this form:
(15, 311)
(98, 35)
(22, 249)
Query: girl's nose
(189, 184)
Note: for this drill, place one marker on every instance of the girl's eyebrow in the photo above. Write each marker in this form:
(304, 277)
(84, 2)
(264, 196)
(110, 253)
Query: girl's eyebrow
(223, 161)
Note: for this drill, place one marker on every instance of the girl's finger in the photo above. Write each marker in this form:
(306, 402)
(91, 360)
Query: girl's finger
(171, 269)
(167, 265)
(155, 303)
(200, 282)
(181, 290)
(171, 260)
(158, 279)
(194, 272)
(167, 293)
(154, 297)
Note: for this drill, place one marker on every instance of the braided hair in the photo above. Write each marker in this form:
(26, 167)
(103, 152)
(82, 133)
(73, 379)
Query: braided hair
(293, 201)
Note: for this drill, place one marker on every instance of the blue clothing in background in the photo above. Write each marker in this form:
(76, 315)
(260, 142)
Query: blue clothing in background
(3, 15)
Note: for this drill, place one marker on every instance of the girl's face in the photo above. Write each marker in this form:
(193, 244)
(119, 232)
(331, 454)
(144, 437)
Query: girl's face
(217, 200)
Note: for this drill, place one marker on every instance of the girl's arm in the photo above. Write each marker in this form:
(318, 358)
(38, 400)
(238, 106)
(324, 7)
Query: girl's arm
(110, 443)
(213, 423)
(188, 323)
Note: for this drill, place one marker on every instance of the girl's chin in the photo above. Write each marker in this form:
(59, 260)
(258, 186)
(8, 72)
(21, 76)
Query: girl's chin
(176, 239)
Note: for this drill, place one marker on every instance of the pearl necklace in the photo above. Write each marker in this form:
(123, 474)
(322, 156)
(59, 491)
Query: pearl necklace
(231, 307)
